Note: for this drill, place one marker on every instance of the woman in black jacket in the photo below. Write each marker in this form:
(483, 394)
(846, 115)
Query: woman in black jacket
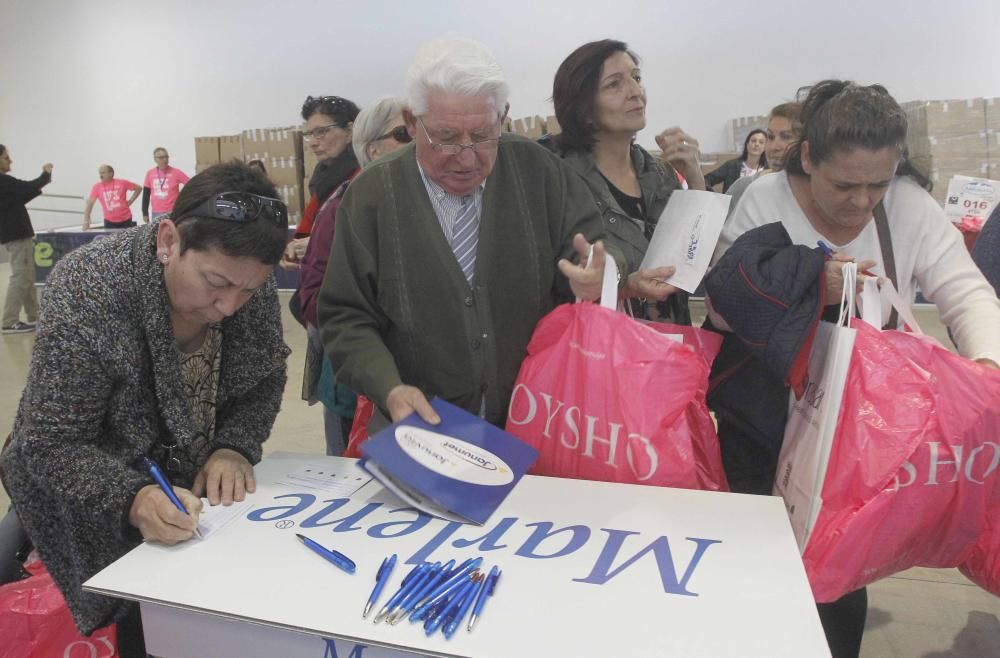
(749, 163)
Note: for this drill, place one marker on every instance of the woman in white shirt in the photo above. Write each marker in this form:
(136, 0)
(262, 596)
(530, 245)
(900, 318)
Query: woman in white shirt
(771, 290)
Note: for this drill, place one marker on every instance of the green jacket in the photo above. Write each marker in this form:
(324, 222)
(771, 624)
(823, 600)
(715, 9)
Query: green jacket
(395, 307)
(657, 183)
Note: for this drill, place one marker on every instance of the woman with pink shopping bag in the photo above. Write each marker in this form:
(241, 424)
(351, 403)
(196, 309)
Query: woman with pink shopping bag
(848, 184)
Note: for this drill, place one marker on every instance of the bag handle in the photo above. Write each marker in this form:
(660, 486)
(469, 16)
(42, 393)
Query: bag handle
(879, 291)
(609, 285)
(888, 257)
(847, 295)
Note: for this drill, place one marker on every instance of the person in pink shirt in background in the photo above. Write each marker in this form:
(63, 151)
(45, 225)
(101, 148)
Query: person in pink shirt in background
(111, 192)
(162, 185)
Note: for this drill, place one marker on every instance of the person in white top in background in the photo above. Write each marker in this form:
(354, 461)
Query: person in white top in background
(783, 130)
(851, 158)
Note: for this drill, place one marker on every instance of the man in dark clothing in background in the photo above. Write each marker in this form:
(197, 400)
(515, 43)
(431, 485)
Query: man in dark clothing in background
(16, 235)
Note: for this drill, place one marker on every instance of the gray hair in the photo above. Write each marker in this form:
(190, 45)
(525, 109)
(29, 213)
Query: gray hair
(456, 65)
(372, 122)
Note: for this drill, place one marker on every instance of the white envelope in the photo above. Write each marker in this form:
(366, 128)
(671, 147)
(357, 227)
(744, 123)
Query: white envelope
(686, 235)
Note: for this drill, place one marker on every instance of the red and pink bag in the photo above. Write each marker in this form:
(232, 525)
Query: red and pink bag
(605, 397)
(912, 476)
(35, 622)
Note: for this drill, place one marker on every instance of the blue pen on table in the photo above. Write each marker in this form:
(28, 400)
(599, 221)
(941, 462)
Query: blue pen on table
(432, 598)
(486, 590)
(433, 604)
(452, 623)
(413, 591)
(336, 558)
(439, 607)
(415, 576)
(166, 487)
(453, 605)
(437, 575)
(464, 564)
(381, 578)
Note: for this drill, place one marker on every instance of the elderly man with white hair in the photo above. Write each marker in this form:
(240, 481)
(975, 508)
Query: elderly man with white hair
(449, 250)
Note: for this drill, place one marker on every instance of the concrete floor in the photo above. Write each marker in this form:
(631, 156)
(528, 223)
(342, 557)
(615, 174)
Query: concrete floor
(926, 613)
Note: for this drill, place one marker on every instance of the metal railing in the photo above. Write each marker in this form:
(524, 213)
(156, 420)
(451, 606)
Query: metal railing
(72, 197)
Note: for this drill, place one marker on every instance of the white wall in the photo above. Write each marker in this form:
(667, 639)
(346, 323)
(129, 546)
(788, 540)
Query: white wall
(85, 83)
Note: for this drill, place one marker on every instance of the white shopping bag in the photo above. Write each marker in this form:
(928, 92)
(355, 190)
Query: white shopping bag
(812, 420)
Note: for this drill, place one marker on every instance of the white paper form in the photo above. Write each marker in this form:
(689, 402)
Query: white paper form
(215, 517)
(686, 235)
(341, 480)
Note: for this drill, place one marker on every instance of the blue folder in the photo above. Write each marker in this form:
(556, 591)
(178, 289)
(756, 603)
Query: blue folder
(461, 469)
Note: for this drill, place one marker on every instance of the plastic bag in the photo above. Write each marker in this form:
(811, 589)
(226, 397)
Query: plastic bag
(605, 397)
(35, 622)
(359, 427)
(913, 477)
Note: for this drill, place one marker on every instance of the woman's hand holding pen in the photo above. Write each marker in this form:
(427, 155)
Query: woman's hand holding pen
(226, 477)
(833, 270)
(159, 520)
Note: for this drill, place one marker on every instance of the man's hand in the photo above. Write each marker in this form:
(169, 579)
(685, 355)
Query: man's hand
(585, 282)
(680, 151)
(157, 518)
(834, 270)
(226, 477)
(650, 283)
(403, 400)
(47, 167)
(294, 252)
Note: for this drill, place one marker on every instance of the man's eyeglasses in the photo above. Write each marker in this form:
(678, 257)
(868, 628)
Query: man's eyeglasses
(240, 207)
(399, 133)
(318, 132)
(455, 149)
(161, 157)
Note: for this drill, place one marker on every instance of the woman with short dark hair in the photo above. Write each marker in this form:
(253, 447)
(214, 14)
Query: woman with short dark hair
(181, 361)
(600, 104)
(378, 130)
(847, 183)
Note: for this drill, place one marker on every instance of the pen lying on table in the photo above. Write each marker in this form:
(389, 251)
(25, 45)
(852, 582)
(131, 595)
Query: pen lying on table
(337, 558)
(439, 595)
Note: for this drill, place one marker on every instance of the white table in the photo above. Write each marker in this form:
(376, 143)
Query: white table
(589, 569)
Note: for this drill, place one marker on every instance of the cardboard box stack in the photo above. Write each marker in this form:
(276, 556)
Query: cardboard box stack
(740, 127)
(948, 138)
(280, 149)
(206, 153)
(231, 148)
(308, 165)
(992, 108)
(532, 127)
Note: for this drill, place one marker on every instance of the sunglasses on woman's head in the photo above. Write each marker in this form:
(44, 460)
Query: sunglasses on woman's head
(240, 207)
(399, 133)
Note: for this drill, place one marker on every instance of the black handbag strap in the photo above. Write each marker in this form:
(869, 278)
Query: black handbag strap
(888, 260)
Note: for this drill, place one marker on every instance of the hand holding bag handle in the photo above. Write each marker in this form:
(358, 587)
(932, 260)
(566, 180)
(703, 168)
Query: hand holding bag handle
(609, 284)
(879, 291)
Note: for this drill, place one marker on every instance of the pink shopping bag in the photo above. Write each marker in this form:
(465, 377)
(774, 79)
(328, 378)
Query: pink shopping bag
(605, 397)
